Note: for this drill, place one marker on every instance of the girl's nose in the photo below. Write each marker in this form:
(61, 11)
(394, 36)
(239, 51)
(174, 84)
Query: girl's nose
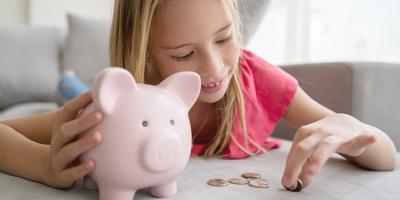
(212, 67)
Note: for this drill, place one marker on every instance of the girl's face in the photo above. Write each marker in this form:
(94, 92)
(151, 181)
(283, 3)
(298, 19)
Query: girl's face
(198, 36)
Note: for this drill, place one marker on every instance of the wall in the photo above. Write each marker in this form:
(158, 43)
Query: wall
(298, 31)
(13, 12)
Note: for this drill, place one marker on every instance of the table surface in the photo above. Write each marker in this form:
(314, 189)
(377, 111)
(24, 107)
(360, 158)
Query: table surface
(337, 180)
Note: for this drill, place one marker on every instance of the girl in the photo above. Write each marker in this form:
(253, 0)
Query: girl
(242, 99)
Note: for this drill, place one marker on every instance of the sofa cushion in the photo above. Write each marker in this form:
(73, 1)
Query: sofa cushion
(27, 109)
(29, 64)
(86, 48)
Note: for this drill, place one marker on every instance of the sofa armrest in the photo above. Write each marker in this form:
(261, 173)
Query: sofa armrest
(365, 90)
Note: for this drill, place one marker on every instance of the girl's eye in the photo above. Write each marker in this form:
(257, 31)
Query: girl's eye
(224, 41)
(183, 58)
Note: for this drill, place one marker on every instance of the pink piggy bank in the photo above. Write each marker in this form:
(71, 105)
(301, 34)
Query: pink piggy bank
(146, 133)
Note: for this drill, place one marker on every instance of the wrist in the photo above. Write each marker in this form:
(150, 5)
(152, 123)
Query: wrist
(43, 167)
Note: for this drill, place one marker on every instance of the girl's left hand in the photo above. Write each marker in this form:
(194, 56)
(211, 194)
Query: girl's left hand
(314, 143)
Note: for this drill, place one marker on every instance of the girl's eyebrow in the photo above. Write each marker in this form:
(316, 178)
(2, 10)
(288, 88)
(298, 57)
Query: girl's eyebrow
(188, 44)
(223, 28)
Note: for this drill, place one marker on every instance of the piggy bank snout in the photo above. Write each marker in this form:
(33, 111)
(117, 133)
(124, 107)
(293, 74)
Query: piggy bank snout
(162, 152)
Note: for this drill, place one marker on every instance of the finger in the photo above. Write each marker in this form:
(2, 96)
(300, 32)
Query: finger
(297, 157)
(70, 175)
(357, 146)
(70, 109)
(321, 154)
(73, 150)
(69, 130)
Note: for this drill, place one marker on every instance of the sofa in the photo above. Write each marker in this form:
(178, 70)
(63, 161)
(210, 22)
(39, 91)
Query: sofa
(32, 60)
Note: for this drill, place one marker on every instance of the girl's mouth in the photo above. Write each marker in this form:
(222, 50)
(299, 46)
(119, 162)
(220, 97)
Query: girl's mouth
(213, 86)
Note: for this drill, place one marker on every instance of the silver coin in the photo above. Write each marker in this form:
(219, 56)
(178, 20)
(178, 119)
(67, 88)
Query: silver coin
(259, 183)
(238, 181)
(217, 182)
(251, 175)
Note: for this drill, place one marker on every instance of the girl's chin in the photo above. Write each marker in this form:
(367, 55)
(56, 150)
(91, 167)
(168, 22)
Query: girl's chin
(210, 98)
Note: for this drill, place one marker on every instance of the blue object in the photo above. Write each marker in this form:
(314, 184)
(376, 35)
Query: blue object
(70, 86)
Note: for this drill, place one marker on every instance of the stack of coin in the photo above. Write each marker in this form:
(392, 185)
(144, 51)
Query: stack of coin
(250, 178)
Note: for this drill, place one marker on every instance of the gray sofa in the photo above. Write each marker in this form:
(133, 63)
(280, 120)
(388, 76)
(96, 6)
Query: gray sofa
(32, 60)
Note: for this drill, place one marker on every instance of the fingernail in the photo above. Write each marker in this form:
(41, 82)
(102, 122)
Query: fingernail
(97, 116)
(97, 137)
(61, 109)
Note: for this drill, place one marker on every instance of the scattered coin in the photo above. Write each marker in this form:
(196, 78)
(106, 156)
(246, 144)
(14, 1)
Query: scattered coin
(252, 175)
(249, 178)
(238, 181)
(259, 183)
(217, 182)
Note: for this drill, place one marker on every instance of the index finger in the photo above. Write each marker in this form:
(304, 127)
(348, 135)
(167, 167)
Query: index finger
(297, 157)
(71, 109)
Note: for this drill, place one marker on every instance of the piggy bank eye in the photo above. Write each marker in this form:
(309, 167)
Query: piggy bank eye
(145, 123)
(171, 122)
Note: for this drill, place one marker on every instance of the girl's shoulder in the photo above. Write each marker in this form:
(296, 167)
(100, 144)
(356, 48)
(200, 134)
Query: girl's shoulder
(263, 77)
(254, 66)
(268, 92)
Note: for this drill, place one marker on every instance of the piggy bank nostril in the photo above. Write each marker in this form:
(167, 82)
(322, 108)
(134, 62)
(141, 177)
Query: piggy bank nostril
(161, 153)
(171, 122)
(145, 123)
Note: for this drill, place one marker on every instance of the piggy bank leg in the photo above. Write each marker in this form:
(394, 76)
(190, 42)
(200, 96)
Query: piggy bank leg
(166, 190)
(88, 183)
(108, 193)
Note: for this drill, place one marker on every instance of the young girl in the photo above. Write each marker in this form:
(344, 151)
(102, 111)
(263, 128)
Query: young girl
(242, 99)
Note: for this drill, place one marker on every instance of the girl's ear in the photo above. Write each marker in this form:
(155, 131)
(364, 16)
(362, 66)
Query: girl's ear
(186, 85)
(110, 85)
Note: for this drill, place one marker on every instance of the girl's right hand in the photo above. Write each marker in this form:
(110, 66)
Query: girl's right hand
(61, 165)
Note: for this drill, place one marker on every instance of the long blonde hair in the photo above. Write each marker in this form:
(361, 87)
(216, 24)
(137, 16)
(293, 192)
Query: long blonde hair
(129, 43)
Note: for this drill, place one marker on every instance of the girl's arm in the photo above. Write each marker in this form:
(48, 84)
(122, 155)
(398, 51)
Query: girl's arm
(23, 143)
(322, 132)
(45, 148)
(36, 128)
(19, 155)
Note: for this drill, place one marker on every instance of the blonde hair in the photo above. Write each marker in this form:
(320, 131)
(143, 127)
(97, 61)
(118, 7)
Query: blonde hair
(129, 43)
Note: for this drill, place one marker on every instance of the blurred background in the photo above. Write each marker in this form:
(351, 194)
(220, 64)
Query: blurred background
(291, 31)
(344, 53)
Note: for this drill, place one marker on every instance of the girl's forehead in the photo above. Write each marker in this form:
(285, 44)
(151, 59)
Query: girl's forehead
(183, 19)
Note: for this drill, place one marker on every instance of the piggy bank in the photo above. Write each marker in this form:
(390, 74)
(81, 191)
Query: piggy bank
(146, 133)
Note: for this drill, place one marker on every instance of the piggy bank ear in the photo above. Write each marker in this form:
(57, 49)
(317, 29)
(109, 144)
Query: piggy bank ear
(111, 83)
(186, 85)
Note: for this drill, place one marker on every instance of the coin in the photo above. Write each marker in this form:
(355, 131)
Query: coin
(252, 175)
(238, 181)
(217, 182)
(298, 188)
(259, 183)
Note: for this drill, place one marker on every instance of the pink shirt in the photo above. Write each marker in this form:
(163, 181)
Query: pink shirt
(268, 92)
